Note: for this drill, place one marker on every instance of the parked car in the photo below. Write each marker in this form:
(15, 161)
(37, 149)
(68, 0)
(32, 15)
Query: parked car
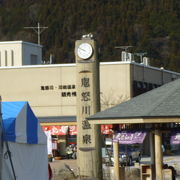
(127, 154)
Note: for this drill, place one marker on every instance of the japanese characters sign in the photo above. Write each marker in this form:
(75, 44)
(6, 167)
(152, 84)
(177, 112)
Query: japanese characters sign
(130, 137)
(86, 98)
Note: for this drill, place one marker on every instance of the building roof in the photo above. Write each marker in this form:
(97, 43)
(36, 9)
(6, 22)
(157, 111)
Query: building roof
(162, 102)
(20, 42)
(101, 63)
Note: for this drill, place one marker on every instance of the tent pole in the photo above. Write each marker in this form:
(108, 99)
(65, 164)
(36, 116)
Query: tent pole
(10, 159)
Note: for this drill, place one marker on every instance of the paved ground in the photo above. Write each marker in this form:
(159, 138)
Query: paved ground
(61, 164)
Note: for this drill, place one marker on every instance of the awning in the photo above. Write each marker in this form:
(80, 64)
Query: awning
(175, 138)
(130, 137)
(56, 130)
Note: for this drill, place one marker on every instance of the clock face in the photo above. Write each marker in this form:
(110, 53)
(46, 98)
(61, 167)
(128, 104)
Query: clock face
(84, 51)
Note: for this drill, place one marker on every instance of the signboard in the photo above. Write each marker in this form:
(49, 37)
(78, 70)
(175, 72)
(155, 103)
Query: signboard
(130, 137)
(72, 130)
(106, 129)
(175, 138)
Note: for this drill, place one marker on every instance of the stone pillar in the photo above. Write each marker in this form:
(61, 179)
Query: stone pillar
(88, 103)
(116, 161)
(158, 155)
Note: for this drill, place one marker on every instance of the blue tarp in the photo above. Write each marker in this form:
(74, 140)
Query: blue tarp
(20, 124)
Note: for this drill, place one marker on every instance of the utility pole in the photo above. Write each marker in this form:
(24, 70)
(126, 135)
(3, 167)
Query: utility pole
(38, 29)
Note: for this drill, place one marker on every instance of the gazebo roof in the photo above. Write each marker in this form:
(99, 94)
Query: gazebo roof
(159, 105)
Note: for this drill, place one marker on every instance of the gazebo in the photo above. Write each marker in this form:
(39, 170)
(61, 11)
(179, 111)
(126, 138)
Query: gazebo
(156, 111)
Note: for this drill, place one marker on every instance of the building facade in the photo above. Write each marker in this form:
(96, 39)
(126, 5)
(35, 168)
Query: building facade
(51, 89)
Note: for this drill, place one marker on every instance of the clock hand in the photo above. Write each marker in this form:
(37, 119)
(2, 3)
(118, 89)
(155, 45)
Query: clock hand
(82, 49)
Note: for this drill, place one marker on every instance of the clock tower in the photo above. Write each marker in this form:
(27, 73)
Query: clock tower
(88, 103)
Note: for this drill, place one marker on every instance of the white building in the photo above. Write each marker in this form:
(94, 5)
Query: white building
(19, 53)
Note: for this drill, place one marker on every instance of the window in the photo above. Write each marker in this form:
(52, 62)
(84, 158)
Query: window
(6, 63)
(12, 58)
(33, 59)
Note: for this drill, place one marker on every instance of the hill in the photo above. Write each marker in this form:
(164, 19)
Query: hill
(151, 26)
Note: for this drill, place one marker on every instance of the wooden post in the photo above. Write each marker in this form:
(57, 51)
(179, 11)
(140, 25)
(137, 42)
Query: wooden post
(88, 103)
(152, 153)
(158, 155)
(116, 160)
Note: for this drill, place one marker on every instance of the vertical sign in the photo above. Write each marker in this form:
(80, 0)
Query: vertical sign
(88, 136)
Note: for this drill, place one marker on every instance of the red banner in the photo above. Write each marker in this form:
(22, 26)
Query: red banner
(56, 130)
(106, 129)
(72, 130)
(63, 130)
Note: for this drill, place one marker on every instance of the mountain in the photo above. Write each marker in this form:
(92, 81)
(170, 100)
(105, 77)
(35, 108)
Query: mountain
(151, 26)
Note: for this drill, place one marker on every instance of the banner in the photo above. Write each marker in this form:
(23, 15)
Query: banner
(106, 129)
(175, 138)
(56, 130)
(72, 130)
(130, 137)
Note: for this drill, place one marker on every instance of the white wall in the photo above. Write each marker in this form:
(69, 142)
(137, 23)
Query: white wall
(18, 53)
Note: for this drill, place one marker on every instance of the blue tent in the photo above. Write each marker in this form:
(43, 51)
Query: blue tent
(24, 144)
(20, 124)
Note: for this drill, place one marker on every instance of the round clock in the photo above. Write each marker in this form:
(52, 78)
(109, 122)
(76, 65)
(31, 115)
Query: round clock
(84, 51)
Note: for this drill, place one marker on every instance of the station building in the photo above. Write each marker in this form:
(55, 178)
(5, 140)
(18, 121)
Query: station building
(51, 89)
